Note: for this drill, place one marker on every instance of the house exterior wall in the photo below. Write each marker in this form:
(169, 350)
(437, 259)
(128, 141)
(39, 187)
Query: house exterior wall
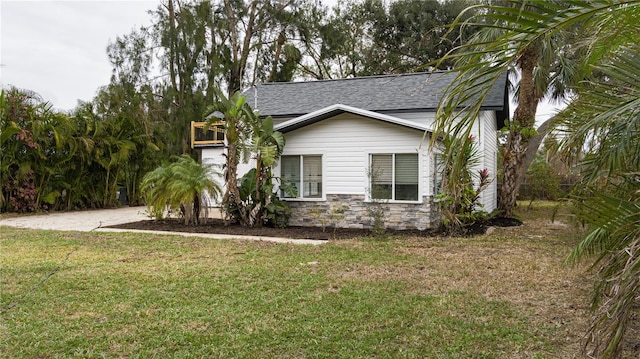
(423, 118)
(346, 142)
(353, 211)
(485, 131)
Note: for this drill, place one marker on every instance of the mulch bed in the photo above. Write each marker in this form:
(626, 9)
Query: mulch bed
(217, 226)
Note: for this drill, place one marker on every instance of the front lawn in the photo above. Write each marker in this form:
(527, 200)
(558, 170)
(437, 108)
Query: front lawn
(506, 294)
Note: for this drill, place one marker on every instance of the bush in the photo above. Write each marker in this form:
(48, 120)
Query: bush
(460, 200)
(540, 182)
(180, 187)
(261, 205)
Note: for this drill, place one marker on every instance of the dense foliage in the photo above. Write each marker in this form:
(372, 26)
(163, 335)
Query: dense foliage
(252, 199)
(202, 46)
(85, 158)
(542, 66)
(374, 37)
(53, 160)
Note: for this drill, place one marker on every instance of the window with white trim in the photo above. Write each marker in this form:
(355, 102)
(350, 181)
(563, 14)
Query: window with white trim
(394, 176)
(304, 173)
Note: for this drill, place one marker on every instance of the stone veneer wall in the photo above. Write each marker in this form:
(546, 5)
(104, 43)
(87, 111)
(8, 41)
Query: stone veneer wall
(354, 213)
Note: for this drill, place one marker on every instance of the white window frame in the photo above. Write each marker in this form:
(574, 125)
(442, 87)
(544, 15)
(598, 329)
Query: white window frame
(393, 177)
(301, 196)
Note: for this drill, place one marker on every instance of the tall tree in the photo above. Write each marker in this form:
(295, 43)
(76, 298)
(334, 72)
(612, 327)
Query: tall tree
(203, 46)
(373, 38)
(413, 34)
(250, 28)
(545, 67)
(126, 135)
(239, 121)
(181, 32)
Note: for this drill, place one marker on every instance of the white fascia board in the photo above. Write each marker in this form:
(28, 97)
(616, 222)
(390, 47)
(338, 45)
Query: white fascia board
(309, 118)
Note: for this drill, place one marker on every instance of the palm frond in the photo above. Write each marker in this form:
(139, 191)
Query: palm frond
(489, 54)
(612, 220)
(620, 289)
(178, 185)
(609, 117)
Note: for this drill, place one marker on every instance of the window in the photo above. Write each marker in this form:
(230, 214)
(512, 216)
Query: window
(304, 174)
(394, 176)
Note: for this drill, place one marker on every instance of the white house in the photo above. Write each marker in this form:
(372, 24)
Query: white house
(351, 142)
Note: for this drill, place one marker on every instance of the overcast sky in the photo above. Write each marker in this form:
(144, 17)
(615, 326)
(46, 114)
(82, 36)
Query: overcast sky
(58, 48)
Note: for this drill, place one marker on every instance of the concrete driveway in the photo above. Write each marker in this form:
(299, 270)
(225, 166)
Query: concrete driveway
(95, 220)
(77, 221)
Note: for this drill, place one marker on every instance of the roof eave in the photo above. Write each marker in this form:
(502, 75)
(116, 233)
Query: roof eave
(502, 114)
(334, 110)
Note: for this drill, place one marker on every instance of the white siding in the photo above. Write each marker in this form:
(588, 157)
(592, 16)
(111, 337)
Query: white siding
(345, 142)
(489, 145)
(423, 118)
(485, 131)
(214, 156)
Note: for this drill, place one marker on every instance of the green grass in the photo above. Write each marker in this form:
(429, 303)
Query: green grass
(132, 295)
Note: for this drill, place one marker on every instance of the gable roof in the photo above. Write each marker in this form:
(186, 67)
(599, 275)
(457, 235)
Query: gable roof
(337, 109)
(384, 94)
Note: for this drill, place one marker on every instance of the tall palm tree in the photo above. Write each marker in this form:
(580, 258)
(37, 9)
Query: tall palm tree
(268, 145)
(543, 64)
(239, 120)
(603, 123)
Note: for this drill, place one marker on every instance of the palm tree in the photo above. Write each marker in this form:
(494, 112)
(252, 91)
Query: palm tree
(180, 186)
(34, 142)
(543, 63)
(268, 145)
(239, 120)
(603, 123)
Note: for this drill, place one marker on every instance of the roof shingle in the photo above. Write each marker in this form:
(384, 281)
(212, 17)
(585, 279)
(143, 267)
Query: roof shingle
(384, 94)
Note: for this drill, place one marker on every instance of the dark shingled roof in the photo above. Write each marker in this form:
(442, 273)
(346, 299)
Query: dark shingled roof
(384, 94)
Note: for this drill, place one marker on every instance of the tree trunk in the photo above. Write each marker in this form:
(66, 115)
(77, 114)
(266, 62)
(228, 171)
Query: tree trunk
(196, 208)
(172, 45)
(231, 176)
(518, 140)
(512, 156)
(532, 148)
(276, 57)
